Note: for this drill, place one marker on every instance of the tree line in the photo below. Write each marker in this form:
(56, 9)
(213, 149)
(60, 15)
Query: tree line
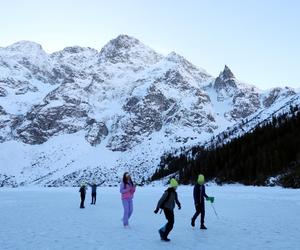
(268, 155)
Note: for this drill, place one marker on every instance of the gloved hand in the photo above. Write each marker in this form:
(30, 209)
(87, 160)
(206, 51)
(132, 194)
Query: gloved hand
(179, 207)
(211, 199)
(156, 210)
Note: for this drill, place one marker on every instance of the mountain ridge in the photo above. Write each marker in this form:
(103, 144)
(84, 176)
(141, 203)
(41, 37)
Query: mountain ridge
(122, 106)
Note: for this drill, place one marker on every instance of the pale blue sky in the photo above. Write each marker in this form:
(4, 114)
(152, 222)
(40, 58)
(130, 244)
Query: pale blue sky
(258, 39)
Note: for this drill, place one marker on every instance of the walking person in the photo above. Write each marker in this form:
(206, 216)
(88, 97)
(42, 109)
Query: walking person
(94, 191)
(199, 195)
(167, 204)
(127, 189)
(82, 192)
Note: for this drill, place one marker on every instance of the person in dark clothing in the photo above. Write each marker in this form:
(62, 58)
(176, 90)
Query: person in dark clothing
(94, 191)
(82, 191)
(199, 195)
(167, 204)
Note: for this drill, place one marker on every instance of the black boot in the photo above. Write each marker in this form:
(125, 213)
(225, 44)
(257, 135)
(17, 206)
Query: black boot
(162, 235)
(192, 223)
(203, 227)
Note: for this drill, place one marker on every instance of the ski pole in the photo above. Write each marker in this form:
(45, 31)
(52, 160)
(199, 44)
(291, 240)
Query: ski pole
(215, 210)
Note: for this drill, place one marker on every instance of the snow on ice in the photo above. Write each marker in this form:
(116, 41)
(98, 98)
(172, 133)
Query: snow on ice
(249, 218)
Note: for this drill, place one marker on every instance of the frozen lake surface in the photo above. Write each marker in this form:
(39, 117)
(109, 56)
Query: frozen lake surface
(50, 218)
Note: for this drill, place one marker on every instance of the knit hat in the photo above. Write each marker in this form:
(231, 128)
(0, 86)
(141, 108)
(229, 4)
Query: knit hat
(201, 179)
(173, 183)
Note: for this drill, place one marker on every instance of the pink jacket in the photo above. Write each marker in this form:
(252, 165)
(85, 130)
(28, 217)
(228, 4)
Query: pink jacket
(127, 191)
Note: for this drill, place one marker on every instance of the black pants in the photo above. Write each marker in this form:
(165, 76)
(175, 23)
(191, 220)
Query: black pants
(82, 197)
(94, 198)
(170, 218)
(200, 209)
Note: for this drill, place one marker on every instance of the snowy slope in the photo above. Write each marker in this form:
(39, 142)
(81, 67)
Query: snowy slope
(249, 218)
(80, 113)
(261, 117)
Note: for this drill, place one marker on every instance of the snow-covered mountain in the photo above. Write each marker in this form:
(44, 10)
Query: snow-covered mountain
(82, 114)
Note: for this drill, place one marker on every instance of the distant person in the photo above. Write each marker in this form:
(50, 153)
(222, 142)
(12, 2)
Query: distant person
(94, 191)
(127, 189)
(82, 191)
(167, 204)
(199, 195)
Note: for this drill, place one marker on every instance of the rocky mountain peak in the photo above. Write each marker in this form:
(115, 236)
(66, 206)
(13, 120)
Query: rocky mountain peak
(25, 47)
(226, 73)
(123, 41)
(76, 49)
(29, 57)
(27, 53)
(179, 59)
(197, 73)
(127, 49)
(75, 55)
(226, 80)
(173, 56)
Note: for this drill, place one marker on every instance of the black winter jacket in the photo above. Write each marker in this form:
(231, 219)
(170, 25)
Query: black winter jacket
(199, 194)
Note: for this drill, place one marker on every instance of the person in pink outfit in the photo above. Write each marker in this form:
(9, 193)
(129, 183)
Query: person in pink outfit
(127, 190)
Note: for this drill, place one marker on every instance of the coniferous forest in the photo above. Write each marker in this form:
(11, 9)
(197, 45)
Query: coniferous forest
(269, 155)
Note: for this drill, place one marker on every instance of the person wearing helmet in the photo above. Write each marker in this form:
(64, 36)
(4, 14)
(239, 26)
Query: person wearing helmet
(82, 192)
(199, 195)
(167, 204)
(127, 190)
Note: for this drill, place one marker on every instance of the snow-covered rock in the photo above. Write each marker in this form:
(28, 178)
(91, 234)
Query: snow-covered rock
(129, 50)
(79, 111)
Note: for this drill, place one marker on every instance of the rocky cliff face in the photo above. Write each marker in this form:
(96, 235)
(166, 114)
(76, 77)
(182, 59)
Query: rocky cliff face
(109, 111)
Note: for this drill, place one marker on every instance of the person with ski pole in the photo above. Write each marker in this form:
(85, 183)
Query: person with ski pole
(94, 191)
(167, 204)
(199, 195)
(127, 190)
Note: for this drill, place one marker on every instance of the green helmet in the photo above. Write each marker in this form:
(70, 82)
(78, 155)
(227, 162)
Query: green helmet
(173, 183)
(201, 179)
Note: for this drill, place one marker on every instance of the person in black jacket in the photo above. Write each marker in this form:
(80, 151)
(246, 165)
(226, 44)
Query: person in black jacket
(82, 192)
(199, 195)
(167, 204)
